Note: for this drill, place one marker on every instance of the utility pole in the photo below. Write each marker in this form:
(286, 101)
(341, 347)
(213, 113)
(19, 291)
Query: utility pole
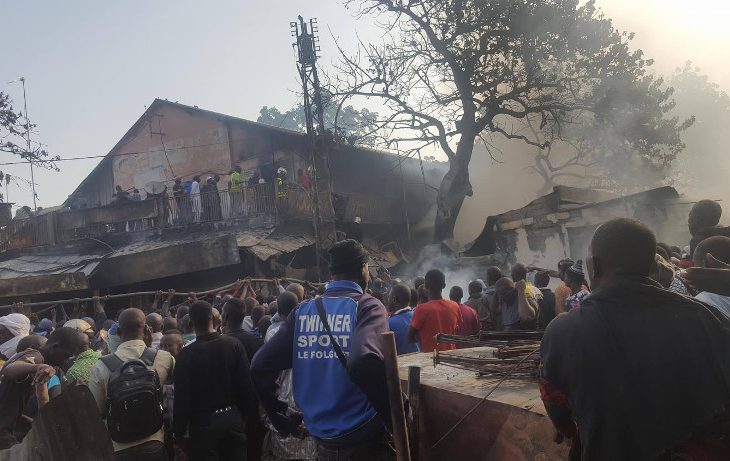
(307, 48)
(27, 139)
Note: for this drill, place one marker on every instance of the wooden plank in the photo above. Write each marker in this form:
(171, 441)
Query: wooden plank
(510, 425)
(519, 393)
(395, 397)
(414, 400)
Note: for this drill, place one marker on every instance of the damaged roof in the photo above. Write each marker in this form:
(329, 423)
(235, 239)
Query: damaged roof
(265, 244)
(33, 265)
(562, 199)
(40, 274)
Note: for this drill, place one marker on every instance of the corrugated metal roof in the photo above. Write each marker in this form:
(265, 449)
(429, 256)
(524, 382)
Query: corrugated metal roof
(250, 237)
(33, 265)
(386, 259)
(276, 243)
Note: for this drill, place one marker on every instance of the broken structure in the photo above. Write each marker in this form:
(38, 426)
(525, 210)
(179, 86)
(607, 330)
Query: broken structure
(561, 224)
(168, 239)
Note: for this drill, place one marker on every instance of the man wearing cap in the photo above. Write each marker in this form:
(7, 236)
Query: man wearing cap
(340, 389)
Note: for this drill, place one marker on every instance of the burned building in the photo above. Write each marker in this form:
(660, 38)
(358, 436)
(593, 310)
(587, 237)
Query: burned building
(106, 237)
(561, 224)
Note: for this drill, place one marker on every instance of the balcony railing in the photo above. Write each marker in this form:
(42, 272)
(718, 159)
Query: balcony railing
(181, 210)
(26, 232)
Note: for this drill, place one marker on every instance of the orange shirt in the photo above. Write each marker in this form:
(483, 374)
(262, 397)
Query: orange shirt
(435, 317)
(562, 292)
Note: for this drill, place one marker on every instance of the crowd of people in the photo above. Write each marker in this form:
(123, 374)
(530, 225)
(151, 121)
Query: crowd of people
(634, 361)
(205, 199)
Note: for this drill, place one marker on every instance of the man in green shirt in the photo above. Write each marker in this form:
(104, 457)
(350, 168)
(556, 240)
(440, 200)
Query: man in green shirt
(236, 191)
(68, 343)
(236, 179)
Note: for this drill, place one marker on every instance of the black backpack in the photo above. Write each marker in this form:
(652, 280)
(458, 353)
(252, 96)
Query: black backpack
(133, 397)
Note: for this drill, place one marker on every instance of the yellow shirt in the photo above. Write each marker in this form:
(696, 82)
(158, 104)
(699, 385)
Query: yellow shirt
(235, 181)
(164, 365)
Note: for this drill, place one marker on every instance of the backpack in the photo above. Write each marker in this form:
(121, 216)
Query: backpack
(133, 397)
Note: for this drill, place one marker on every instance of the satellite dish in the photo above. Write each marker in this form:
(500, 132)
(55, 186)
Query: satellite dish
(155, 187)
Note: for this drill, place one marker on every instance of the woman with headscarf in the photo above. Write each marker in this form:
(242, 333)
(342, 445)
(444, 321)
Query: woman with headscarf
(13, 328)
(575, 279)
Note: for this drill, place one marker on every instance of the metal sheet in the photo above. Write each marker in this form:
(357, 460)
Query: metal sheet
(34, 265)
(43, 284)
(250, 237)
(280, 242)
(152, 260)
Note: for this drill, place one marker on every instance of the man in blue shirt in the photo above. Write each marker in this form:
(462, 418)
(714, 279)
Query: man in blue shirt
(400, 318)
(344, 405)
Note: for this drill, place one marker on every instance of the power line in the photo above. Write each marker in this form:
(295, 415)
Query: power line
(112, 155)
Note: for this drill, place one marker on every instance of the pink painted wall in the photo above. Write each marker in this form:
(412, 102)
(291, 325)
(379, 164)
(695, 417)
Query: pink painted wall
(194, 144)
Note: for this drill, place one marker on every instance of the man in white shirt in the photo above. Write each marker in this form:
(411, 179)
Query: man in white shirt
(196, 200)
(717, 248)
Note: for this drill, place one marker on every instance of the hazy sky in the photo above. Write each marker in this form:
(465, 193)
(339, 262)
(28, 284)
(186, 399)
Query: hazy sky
(92, 67)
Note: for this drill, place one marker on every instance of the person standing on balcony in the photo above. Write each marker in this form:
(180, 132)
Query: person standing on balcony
(121, 195)
(195, 197)
(281, 182)
(211, 200)
(236, 181)
(255, 178)
(182, 202)
(303, 180)
(236, 191)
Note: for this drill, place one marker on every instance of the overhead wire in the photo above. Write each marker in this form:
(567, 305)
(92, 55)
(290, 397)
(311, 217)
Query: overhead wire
(223, 288)
(119, 154)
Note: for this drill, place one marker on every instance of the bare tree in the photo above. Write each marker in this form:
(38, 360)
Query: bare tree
(451, 73)
(14, 126)
(627, 142)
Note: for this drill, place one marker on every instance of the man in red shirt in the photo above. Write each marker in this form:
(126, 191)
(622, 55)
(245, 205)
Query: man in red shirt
(469, 324)
(303, 180)
(435, 316)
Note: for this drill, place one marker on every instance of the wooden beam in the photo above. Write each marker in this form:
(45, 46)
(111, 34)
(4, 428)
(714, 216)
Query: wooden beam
(395, 397)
